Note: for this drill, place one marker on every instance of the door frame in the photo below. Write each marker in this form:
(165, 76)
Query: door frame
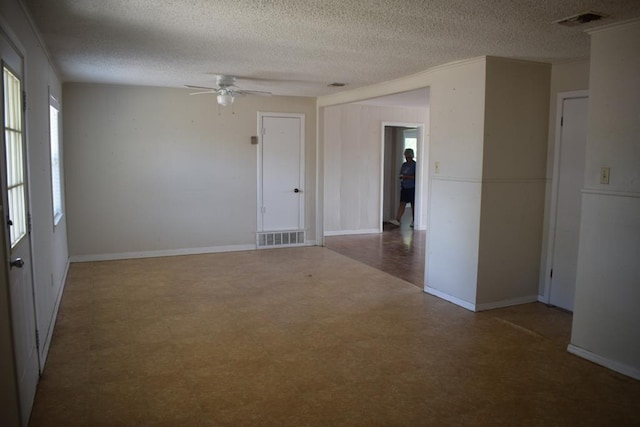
(555, 182)
(420, 182)
(260, 183)
(24, 407)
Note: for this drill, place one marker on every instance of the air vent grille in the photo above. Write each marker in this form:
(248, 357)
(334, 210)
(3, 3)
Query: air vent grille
(271, 239)
(581, 19)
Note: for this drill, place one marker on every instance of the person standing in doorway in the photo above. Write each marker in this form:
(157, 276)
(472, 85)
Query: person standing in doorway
(407, 186)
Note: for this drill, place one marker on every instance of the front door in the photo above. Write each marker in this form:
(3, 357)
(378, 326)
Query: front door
(15, 214)
(573, 139)
(281, 187)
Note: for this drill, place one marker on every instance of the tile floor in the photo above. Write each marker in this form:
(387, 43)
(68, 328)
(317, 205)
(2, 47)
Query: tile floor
(306, 337)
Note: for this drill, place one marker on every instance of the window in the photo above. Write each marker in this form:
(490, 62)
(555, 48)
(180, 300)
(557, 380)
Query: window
(14, 149)
(410, 139)
(54, 137)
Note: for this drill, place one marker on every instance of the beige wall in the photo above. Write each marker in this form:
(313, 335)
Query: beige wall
(154, 171)
(606, 317)
(352, 168)
(513, 181)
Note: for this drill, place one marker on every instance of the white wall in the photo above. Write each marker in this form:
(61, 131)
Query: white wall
(352, 162)
(154, 171)
(50, 255)
(606, 314)
(457, 137)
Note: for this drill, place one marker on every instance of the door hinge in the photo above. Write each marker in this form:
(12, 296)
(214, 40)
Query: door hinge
(29, 223)
(551, 274)
(24, 101)
(37, 339)
(562, 121)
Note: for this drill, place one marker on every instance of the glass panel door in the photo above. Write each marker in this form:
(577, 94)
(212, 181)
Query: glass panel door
(16, 185)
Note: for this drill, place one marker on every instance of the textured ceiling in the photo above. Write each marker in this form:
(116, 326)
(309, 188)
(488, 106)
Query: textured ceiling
(298, 47)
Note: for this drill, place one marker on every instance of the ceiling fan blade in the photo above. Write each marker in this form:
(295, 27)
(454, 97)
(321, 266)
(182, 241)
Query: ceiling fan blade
(199, 87)
(202, 93)
(252, 92)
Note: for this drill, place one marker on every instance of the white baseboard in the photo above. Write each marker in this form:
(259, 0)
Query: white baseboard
(627, 370)
(452, 299)
(351, 232)
(46, 344)
(155, 254)
(506, 303)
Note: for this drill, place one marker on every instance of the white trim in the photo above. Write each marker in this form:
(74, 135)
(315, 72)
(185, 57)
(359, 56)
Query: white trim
(351, 232)
(622, 368)
(319, 195)
(516, 181)
(612, 26)
(164, 253)
(420, 182)
(506, 303)
(452, 299)
(548, 261)
(602, 192)
(455, 178)
(492, 181)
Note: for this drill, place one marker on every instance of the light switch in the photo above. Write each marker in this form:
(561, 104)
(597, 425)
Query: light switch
(604, 175)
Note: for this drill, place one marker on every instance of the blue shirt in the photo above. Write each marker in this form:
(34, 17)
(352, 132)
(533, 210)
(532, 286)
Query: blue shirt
(408, 169)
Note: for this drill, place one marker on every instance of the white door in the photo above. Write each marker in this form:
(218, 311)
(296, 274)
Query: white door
(15, 214)
(570, 182)
(281, 181)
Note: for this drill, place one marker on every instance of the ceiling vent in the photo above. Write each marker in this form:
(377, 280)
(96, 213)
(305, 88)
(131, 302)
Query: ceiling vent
(581, 19)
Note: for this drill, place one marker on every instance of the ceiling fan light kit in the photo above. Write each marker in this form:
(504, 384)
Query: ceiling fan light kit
(225, 99)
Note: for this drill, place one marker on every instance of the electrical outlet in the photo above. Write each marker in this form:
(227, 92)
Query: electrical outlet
(604, 175)
(437, 167)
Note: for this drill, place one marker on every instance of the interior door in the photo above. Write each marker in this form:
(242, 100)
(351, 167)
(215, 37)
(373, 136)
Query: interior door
(15, 214)
(282, 173)
(570, 182)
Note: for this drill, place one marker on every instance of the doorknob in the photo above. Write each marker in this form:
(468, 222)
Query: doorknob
(296, 190)
(18, 262)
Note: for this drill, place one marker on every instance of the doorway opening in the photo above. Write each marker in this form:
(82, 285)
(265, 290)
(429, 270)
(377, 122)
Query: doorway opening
(396, 139)
(566, 196)
(360, 182)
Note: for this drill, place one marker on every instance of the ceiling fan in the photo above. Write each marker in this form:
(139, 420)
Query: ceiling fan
(226, 90)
